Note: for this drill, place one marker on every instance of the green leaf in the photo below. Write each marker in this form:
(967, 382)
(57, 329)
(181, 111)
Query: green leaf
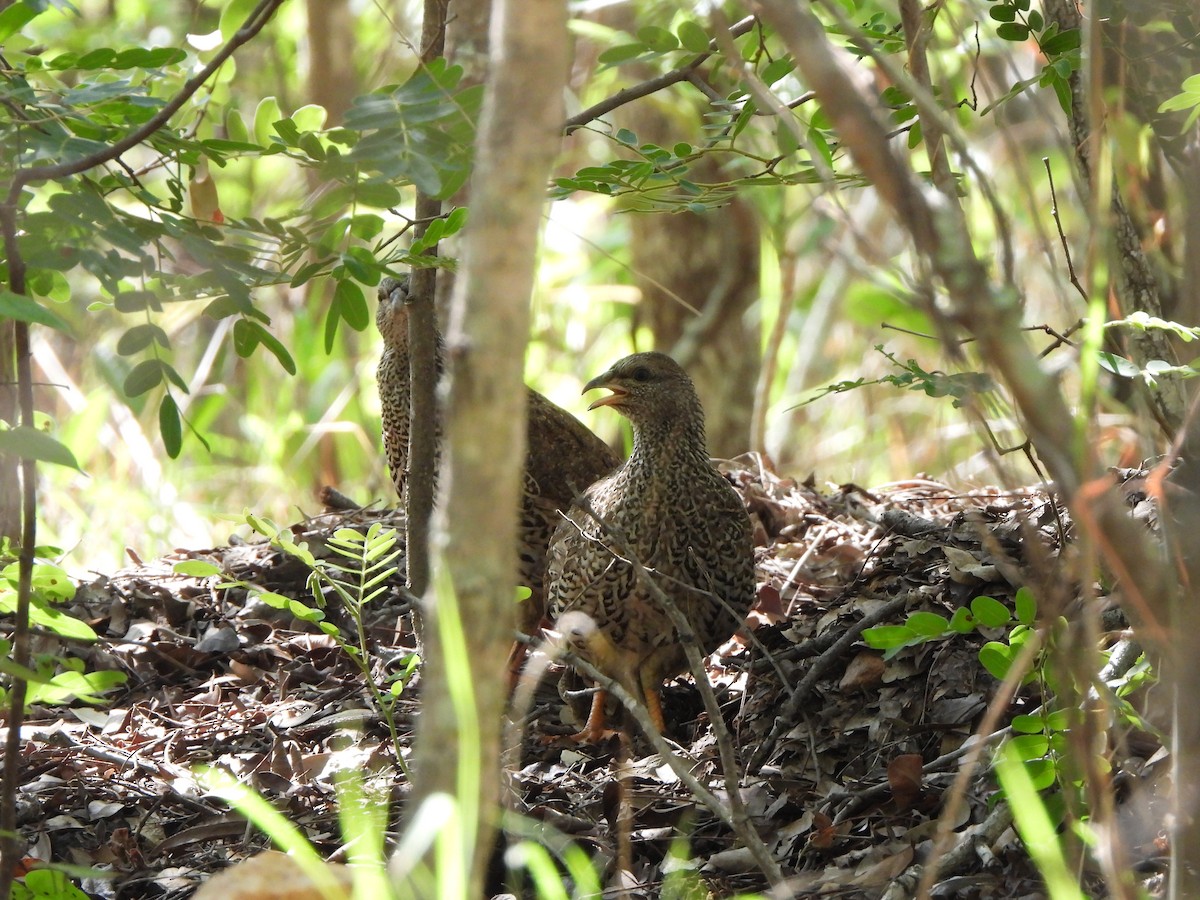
(1026, 606)
(621, 53)
(20, 14)
(377, 194)
(962, 622)
(49, 582)
(1029, 724)
(196, 568)
(49, 884)
(245, 338)
(627, 137)
(884, 637)
(143, 377)
(1002, 13)
(234, 15)
(139, 337)
(658, 39)
(1118, 365)
(1042, 773)
(927, 624)
(1180, 101)
(42, 615)
(990, 612)
(174, 377)
(294, 607)
(170, 426)
(235, 127)
(360, 262)
(147, 58)
(1031, 746)
(777, 68)
(352, 305)
(266, 114)
(30, 443)
(997, 658)
(26, 309)
(1034, 20)
(1013, 31)
(275, 346)
(310, 117)
(136, 301)
(332, 318)
(693, 37)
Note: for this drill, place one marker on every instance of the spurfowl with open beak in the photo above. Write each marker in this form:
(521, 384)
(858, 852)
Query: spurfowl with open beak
(672, 511)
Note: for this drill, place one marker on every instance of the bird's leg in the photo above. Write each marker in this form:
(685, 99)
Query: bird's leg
(593, 730)
(650, 691)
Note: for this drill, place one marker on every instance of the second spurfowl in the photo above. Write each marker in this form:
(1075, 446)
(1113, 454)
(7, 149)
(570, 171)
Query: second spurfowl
(562, 456)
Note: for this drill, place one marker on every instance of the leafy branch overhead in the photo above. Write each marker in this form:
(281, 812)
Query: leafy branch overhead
(151, 230)
(135, 227)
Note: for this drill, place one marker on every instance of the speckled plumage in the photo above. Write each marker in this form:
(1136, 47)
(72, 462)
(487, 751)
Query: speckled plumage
(562, 455)
(671, 509)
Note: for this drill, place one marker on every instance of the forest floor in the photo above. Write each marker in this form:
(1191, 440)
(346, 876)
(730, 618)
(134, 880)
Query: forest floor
(847, 758)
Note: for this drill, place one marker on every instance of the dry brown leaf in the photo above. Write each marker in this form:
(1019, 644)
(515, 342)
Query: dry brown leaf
(865, 670)
(904, 778)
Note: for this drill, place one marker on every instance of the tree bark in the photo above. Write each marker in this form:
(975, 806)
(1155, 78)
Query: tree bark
(332, 81)
(10, 485)
(465, 689)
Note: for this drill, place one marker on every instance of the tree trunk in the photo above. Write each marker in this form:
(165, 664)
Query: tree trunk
(332, 81)
(10, 493)
(465, 689)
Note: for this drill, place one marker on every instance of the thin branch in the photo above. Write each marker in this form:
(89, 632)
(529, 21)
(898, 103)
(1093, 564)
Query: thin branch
(1061, 236)
(791, 710)
(255, 22)
(9, 212)
(686, 72)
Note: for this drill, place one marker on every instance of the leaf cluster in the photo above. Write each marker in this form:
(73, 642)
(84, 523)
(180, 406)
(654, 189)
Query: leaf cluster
(55, 678)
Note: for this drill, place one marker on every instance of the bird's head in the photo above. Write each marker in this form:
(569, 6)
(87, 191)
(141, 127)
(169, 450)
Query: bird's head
(392, 316)
(644, 386)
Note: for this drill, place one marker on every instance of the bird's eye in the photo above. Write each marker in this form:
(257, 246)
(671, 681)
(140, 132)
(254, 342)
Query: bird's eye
(642, 374)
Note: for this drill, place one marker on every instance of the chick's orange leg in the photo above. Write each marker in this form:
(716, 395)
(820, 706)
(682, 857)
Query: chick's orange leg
(654, 707)
(593, 729)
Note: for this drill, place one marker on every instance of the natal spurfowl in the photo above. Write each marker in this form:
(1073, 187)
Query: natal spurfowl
(562, 456)
(669, 508)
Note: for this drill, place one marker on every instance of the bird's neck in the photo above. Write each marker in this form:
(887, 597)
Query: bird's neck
(397, 347)
(667, 444)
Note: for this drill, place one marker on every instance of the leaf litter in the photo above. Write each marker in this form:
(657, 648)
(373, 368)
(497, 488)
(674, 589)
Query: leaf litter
(846, 755)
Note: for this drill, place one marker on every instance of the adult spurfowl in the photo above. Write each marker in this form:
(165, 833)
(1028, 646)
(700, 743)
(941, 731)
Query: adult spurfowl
(672, 511)
(562, 456)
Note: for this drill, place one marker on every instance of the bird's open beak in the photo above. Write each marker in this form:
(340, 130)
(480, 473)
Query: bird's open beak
(602, 381)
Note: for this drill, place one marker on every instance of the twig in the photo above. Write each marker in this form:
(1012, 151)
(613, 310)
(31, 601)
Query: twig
(791, 710)
(1061, 236)
(968, 846)
(686, 72)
